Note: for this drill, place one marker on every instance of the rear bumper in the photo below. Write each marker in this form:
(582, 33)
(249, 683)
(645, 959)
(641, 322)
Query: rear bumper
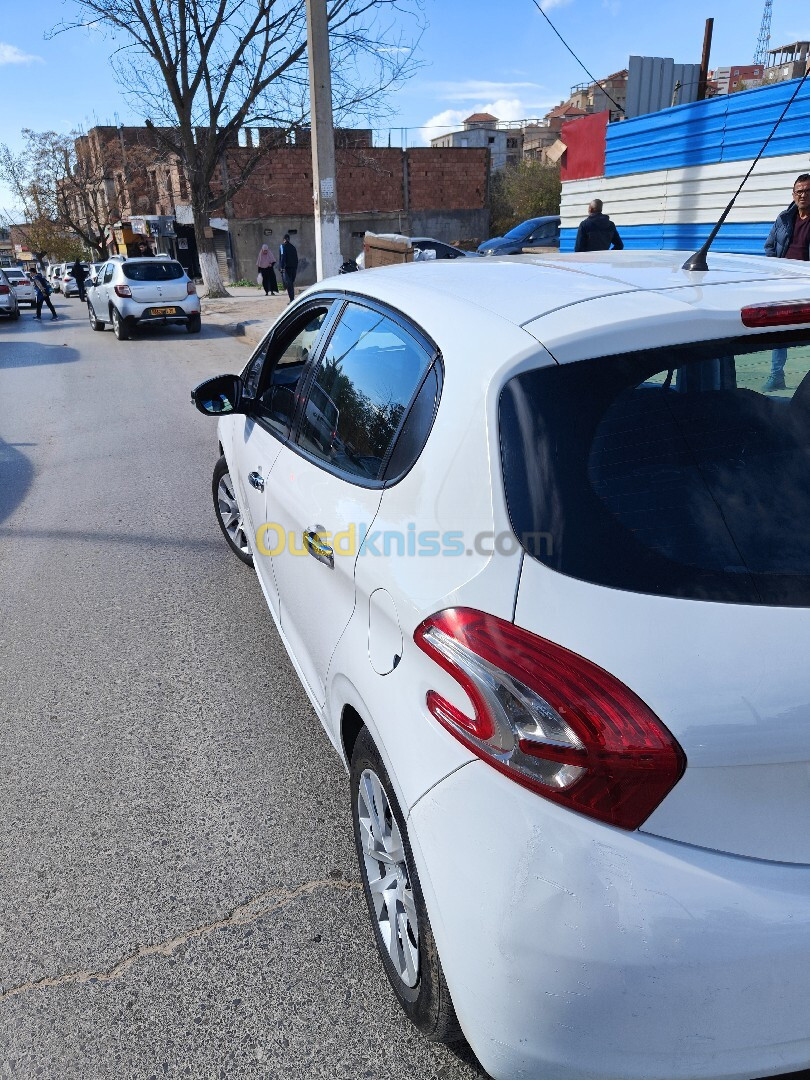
(140, 315)
(575, 951)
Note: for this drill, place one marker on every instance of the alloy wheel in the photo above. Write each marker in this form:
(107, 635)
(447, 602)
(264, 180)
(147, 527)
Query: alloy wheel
(388, 877)
(231, 515)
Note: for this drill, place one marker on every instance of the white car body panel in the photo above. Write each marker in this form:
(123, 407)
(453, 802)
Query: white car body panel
(576, 951)
(708, 672)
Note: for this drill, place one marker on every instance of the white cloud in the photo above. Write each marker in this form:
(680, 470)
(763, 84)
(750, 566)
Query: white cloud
(10, 54)
(442, 123)
(547, 5)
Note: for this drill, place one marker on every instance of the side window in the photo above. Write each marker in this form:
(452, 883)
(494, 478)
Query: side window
(417, 426)
(363, 384)
(108, 273)
(281, 371)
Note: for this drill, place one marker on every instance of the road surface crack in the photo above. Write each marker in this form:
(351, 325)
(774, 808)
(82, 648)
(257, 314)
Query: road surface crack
(254, 909)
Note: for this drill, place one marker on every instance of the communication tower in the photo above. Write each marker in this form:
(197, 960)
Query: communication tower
(764, 40)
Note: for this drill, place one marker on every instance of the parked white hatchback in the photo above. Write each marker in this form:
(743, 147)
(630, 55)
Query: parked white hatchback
(543, 568)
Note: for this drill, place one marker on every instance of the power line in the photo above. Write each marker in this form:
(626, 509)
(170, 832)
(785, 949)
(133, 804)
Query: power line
(593, 78)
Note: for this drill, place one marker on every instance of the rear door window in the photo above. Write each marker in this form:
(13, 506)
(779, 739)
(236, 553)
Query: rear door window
(678, 471)
(363, 385)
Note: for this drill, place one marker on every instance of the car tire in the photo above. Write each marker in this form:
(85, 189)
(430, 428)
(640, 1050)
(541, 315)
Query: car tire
(96, 324)
(194, 324)
(16, 314)
(119, 326)
(411, 962)
(228, 513)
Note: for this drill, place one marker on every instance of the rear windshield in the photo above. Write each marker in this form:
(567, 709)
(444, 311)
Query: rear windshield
(682, 471)
(154, 270)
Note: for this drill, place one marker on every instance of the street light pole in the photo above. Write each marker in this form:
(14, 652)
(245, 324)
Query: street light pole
(327, 226)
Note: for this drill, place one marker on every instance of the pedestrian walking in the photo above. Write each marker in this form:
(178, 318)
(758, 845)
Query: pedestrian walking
(79, 275)
(288, 264)
(597, 232)
(43, 291)
(789, 239)
(265, 264)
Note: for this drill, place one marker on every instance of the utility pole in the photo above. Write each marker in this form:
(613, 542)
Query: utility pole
(327, 226)
(704, 63)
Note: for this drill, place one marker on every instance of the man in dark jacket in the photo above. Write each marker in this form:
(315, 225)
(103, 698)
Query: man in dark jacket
(79, 274)
(288, 264)
(789, 238)
(597, 232)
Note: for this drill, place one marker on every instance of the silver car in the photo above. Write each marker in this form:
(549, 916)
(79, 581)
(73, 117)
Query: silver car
(151, 291)
(21, 283)
(8, 298)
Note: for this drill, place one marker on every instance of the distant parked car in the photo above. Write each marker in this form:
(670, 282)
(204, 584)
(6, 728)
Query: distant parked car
(536, 232)
(8, 298)
(70, 286)
(22, 286)
(55, 271)
(140, 292)
(427, 243)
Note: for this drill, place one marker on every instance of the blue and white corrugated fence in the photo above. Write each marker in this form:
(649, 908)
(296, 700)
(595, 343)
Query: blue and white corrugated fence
(669, 175)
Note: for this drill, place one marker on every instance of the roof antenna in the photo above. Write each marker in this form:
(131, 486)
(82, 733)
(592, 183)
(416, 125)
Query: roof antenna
(698, 260)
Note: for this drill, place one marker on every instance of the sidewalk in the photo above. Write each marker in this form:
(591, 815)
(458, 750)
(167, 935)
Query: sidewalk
(247, 313)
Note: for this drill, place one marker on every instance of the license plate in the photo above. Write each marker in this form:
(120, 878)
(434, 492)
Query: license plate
(163, 311)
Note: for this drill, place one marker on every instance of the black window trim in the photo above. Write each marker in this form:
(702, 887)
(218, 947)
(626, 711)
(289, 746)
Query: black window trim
(421, 338)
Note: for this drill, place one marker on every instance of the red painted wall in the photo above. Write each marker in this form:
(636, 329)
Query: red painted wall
(585, 139)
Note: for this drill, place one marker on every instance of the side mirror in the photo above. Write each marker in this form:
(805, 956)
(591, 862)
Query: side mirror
(219, 396)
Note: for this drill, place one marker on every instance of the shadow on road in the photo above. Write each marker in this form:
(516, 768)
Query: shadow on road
(16, 474)
(17, 354)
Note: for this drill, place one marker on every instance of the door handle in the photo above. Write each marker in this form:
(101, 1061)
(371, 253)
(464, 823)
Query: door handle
(255, 479)
(317, 547)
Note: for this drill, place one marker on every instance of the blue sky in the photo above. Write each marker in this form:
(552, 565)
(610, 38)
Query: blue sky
(495, 56)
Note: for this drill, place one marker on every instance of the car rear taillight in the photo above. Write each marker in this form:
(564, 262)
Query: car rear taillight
(784, 313)
(123, 290)
(550, 719)
(5, 290)
(191, 288)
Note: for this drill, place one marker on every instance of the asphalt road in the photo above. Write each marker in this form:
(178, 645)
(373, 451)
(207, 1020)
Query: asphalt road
(178, 887)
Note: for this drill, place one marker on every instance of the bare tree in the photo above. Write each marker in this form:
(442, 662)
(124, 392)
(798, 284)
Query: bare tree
(63, 188)
(201, 70)
(59, 193)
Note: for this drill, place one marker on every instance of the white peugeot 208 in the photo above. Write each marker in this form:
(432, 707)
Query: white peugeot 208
(543, 569)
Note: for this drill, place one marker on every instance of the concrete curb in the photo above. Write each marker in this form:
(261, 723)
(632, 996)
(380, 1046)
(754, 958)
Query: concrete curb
(243, 315)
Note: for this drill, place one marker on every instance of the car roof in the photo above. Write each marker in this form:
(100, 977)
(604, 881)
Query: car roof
(537, 292)
(148, 259)
(536, 221)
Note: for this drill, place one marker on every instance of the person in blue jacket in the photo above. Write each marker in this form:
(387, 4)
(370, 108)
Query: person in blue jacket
(789, 238)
